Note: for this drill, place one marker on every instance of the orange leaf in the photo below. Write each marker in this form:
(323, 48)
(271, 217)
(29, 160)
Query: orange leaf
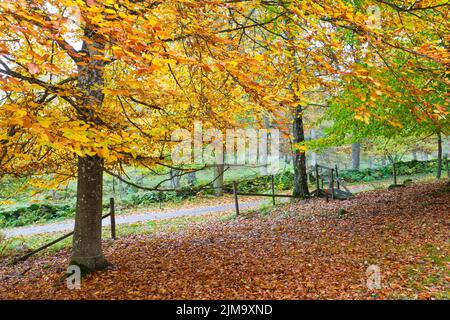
(33, 68)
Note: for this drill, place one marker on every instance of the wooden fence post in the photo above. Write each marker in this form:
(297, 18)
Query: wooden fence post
(337, 178)
(332, 183)
(273, 189)
(446, 165)
(236, 200)
(113, 218)
(316, 168)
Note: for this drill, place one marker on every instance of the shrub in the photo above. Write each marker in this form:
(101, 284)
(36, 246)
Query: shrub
(403, 168)
(142, 199)
(282, 181)
(34, 213)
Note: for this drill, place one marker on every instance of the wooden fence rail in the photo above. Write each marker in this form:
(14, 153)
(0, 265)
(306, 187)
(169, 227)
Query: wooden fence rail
(111, 214)
(251, 194)
(336, 186)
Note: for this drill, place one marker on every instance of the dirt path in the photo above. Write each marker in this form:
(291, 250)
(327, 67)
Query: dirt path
(68, 225)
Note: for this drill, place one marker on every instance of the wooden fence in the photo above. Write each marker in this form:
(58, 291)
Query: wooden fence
(112, 216)
(270, 195)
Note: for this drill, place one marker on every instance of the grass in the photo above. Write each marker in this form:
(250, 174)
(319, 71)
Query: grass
(386, 182)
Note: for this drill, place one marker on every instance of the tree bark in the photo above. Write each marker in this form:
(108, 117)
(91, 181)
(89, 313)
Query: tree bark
(218, 182)
(87, 239)
(439, 159)
(356, 155)
(174, 178)
(301, 177)
(192, 179)
(394, 171)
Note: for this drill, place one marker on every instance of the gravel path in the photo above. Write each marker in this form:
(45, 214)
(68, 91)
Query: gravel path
(68, 225)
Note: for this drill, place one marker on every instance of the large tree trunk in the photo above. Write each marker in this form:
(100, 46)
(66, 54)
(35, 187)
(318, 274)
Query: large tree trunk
(301, 178)
(87, 239)
(87, 244)
(356, 155)
(439, 159)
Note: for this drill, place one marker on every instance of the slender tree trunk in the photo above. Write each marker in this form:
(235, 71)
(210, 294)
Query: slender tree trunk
(394, 168)
(192, 178)
(356, 155)
(393, 162)
(394, 171)
(218, 176)
(301, 177)
(174, 178)
(439, 159)
(87, 244)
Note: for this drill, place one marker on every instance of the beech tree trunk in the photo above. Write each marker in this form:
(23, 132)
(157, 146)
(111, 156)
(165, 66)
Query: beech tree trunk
(439, 159)
(192, 178)
(87, 238)
(301, 177)
(174, 178)
(356, 155)
(394, 168)
(218, 176)
(394, 172)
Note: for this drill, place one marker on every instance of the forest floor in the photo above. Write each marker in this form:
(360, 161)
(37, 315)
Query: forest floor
(300, 250)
